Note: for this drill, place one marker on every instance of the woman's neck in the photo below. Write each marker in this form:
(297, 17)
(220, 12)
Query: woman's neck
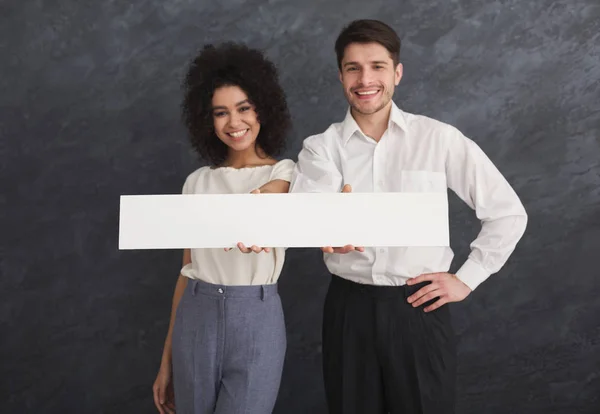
(252, 157)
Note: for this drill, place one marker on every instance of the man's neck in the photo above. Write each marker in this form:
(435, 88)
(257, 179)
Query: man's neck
(374, 125)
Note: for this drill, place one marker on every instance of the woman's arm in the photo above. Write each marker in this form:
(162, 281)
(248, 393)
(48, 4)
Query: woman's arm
(275, 186)
(179, 289)
(164, 397)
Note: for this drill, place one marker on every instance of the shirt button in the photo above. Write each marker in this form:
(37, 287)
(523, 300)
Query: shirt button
(220, 290)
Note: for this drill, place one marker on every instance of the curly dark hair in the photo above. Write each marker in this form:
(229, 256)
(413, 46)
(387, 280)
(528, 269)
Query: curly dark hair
(233, 64)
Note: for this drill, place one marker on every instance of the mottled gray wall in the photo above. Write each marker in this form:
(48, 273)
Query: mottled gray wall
(89, 110)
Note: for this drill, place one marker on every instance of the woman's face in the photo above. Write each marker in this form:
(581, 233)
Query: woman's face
(235, 119)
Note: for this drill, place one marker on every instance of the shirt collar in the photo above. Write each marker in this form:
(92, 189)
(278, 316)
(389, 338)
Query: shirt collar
(349, 125)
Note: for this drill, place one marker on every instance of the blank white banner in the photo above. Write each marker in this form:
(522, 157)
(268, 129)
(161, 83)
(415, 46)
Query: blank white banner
(283, 220)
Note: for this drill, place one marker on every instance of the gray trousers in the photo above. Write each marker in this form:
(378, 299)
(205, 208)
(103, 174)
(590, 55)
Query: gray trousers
(229, 344)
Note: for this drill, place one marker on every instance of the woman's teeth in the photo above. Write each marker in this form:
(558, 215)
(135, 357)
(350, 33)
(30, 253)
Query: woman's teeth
(238, 134)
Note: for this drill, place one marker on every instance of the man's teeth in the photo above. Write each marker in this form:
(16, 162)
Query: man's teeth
(367, 93)
(238, 134)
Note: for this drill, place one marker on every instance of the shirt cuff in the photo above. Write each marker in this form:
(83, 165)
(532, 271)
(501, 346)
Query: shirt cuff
(472, 274)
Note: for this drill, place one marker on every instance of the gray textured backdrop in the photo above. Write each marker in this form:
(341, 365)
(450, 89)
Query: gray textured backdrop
(90, 98)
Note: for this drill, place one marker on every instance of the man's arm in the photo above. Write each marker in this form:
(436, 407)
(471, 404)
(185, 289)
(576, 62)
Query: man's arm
(315, 171)
(477, 181)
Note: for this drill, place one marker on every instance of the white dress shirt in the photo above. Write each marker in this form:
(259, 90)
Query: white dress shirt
(415, 154)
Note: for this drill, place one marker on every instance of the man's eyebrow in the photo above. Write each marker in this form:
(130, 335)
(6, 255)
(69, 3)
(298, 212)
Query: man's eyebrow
(378, 62)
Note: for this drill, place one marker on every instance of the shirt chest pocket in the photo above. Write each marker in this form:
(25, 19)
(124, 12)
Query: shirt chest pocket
(420, 181)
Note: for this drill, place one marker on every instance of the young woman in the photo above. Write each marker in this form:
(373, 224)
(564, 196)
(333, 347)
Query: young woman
(226, 342)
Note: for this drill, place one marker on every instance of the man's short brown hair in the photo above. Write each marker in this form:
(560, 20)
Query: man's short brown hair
(368, 31)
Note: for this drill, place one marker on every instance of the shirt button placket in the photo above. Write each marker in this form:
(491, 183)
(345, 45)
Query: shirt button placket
(376, 170)
(380, 262)
(379, 265)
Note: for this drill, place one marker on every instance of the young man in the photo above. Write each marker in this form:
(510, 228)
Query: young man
(388, 341)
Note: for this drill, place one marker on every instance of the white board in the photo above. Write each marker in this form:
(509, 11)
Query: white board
(283, 220)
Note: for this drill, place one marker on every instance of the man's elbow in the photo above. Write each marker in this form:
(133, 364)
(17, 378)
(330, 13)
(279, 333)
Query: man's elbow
(521, 222)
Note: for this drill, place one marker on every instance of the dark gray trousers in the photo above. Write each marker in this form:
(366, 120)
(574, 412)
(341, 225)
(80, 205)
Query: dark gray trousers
(229, 344)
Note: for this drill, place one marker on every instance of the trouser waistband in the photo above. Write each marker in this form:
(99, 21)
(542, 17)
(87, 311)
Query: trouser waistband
(247, 291)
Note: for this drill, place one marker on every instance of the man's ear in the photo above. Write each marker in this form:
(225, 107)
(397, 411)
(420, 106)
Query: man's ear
(398, 74)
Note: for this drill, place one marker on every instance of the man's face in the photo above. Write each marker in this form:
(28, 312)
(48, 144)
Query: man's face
(369, 77)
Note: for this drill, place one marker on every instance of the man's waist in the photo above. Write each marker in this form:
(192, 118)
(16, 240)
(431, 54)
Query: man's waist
(364, 286)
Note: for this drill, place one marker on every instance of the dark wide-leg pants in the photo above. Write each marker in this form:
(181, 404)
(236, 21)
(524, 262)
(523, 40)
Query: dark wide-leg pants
(382, 355)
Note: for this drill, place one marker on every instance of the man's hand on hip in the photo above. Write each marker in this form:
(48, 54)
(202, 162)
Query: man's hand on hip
(445, 286)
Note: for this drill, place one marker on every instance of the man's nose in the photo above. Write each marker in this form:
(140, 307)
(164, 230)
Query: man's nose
(366, 77)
